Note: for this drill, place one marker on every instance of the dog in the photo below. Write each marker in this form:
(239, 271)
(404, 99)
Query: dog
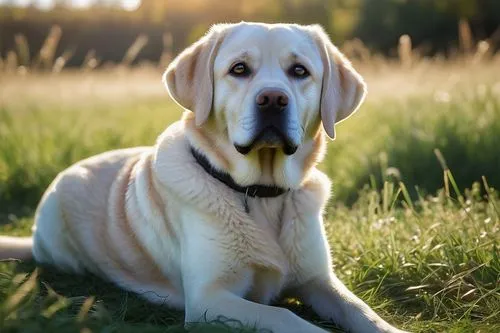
(224, 213)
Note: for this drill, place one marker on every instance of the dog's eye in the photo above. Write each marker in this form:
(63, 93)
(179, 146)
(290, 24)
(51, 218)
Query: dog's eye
(240, 69)
(298, 71)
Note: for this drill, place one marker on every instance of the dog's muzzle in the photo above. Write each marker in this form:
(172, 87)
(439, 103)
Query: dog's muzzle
(272, 111)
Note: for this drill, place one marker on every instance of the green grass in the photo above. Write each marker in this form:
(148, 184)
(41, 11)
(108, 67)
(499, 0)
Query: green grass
(423, 252)
(398, 138)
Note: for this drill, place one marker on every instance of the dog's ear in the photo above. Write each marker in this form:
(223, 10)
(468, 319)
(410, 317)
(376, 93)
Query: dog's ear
(343, 89)
(190, 76)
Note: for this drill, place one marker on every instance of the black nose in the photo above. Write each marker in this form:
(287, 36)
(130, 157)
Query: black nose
(271, 99)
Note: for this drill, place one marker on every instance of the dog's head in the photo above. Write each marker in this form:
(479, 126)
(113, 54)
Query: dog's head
(265, 85)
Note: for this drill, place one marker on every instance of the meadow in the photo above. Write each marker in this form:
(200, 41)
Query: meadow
(414, 221)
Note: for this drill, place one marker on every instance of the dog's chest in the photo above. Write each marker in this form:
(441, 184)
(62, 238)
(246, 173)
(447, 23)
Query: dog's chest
(267, 215)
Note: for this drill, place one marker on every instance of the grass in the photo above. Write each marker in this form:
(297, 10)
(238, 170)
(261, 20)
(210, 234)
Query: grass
(406, 235)
(463, 125)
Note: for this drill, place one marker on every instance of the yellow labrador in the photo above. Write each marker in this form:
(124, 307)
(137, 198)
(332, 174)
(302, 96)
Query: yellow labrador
(223, 214)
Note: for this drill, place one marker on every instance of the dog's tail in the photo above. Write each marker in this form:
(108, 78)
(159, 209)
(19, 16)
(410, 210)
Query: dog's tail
(16, 248)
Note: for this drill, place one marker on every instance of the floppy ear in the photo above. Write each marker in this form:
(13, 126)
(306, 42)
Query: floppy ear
(190, 76)
(343, 88)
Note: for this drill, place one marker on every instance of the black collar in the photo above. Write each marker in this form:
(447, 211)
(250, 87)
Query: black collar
(261, 191)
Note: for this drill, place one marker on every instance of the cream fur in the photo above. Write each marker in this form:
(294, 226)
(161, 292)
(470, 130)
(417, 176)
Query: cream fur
(153, 221)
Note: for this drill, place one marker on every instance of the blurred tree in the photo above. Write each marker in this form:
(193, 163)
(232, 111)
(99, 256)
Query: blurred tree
(378, 23)
(428, 22)
(153, 10)
(344, 18)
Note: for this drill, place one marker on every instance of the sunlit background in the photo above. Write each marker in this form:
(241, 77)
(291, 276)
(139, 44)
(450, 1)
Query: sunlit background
(109, 27)
(77, 4)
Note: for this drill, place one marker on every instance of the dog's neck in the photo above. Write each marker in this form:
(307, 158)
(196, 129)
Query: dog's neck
(267, 167)
(256, 190)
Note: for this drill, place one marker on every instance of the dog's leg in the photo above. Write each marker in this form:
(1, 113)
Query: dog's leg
(217, 303)
(333, 301)
(303, 237)
(329, 297)
(214, 283)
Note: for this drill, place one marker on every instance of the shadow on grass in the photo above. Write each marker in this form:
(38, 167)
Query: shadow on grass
(63, 302)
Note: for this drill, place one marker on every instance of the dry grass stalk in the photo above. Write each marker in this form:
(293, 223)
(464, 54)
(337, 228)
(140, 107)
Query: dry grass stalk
(49, 47)
(356, 49)
(465, 37)
(23, 50)
(62, 60)
(25, 289)
(134, 50)
(22, 70)
(90, 62)
(482, 52)
(166, 55)
(11, 62)
(405, 51)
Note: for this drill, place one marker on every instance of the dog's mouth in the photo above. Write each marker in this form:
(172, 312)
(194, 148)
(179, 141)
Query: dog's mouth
(269, 137)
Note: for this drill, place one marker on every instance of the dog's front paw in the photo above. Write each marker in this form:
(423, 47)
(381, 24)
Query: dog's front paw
(386, 328)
